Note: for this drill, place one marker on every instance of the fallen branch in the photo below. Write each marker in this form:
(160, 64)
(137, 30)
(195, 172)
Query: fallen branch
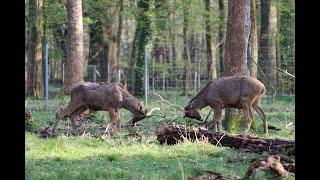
(285, 72)
(284, 158)
(271, 163)
(172, 134)
(214, 175)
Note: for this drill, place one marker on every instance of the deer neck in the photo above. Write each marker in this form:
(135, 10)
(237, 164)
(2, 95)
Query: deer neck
(128, 104)
(199, 102)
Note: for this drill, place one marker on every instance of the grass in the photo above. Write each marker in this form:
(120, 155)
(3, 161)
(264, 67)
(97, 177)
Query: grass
(76, 157)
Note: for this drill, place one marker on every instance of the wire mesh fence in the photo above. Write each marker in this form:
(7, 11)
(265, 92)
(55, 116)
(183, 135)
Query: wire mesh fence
(168, 74)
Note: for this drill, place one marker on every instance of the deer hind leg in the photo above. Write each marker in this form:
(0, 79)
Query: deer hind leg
(217, 121)
(248, 113)
(74, 116)
(115, 118)
(258, 108)
(73, 106)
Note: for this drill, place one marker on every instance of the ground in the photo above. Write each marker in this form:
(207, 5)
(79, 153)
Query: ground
(127, 155)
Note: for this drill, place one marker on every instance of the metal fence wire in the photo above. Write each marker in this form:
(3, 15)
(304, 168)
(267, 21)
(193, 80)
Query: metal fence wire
(167, 74)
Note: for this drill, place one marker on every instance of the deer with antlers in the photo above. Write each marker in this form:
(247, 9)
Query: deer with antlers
(241, 92)
(109, 97)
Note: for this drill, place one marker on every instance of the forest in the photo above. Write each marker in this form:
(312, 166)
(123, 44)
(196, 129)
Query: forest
(185, 42)
(140, 89)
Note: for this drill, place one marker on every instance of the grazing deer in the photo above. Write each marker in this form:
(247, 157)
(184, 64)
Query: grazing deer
(241, 92)
(109, 97)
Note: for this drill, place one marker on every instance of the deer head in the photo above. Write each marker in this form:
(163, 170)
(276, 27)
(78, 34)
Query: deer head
(193, 112)
(139, 111)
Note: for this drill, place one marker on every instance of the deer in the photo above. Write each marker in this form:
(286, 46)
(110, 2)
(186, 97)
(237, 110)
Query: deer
(239, 91)
(99, 96)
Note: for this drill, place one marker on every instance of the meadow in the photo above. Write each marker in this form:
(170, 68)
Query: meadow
(67, 156)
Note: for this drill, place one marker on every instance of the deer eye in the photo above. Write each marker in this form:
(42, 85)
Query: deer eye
(140, 107)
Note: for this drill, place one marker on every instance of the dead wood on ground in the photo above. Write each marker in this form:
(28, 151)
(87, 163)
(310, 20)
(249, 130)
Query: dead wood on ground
(172, 134)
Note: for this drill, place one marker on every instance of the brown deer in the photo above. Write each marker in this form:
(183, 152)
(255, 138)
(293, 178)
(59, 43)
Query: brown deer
(241, 92)
(109, 97)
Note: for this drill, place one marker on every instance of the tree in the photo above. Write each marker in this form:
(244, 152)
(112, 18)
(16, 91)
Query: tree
(211, 7)
(111, 36)
(254, 39)
(74, 65)
(142, 37)
(222, 33)
(186, 52)
(235, 56)
(268, 39)
(35, 61)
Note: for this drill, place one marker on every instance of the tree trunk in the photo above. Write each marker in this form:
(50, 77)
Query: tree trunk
(235, 56)
(35, 74)
(211, 7)
(142, 37)
(273, 29)
(222, 35)
(119, 33)
(86, 47)
(173, 43)
(186, 52)
(254, 39)
(74, 65)
(238, 29)
(268, 39)
(110, 36)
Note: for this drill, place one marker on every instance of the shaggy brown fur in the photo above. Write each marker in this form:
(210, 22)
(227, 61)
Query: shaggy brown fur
(241, 92)
(100, 97)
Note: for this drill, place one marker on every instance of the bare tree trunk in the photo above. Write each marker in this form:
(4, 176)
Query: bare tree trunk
(86, 43)
(235, 56)
(254, 39)
(172, 36)
(74, 65)
(238, 29)
(110, 34)
(211, 36)
(119, 33)
(35, 74)
(273, 43)
(268, 39)
(186, 52)
(222, 34)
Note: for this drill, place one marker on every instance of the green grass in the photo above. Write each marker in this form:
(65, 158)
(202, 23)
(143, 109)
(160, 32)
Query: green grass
(76, 157)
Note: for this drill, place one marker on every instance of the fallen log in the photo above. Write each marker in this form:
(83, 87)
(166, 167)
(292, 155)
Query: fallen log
(172, 134)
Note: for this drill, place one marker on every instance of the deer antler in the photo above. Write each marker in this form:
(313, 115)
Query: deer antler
(162, 108)
(149, 114)
(170, 104)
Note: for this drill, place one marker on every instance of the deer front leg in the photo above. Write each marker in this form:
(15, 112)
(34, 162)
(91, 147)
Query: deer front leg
(248, 113)
(115, 118)
(217, 120)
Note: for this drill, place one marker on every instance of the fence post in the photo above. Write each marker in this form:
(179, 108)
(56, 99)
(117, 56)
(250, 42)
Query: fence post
(119, 75)
(195, 82)
(47, 77)
(145, 76)
(164, 81)
(153, 74)
(62, 73)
